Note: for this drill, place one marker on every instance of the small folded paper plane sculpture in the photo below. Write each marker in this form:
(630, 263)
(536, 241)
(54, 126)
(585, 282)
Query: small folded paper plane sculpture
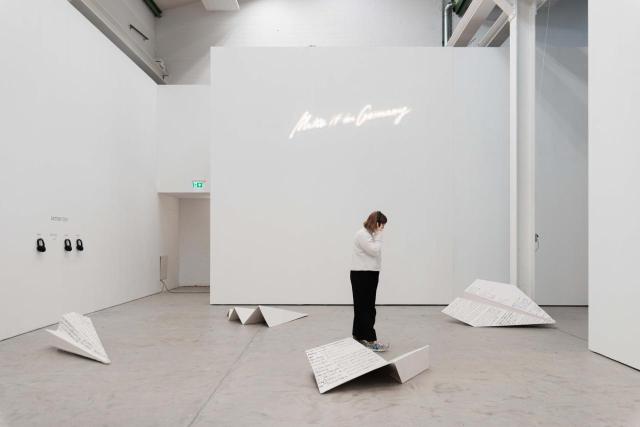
(341, 361)
(269, 315)
(76, 334)
(487, 303)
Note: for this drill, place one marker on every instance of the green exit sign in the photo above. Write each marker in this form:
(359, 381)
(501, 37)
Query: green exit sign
(198, 185)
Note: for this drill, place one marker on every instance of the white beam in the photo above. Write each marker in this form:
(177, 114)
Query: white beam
(522, 145)
(506, 6)
(497, 34)
(473, 18)
(120, 35)
(220, 5)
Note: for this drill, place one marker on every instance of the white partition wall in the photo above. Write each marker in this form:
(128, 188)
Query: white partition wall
(78, 160)
(287, 200)
(561, 153)
(614, 176)
(194, 242)
(561, 176)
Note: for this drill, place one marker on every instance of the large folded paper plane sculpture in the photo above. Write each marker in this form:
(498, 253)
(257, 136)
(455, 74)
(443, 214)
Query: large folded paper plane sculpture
(76, 334)
(269, 315)
(341, 361)
(487, 303)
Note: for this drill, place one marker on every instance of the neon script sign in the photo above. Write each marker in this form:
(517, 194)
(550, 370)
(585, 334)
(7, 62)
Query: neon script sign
(367, 114)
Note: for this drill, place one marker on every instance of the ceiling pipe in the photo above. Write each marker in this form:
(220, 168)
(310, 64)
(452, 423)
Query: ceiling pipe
(447, 21)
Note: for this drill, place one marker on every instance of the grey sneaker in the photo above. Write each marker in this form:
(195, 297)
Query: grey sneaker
(376, 346)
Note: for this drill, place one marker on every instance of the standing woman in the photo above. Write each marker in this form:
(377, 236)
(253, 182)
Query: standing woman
(365, 271)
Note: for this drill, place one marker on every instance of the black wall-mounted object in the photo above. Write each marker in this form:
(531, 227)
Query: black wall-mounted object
(153, 7)
(461, 6)
(40, 247)
(144, 37)
(67, 245)
(79, 245)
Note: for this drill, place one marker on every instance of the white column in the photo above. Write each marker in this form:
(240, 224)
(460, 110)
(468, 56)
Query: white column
(522, 145)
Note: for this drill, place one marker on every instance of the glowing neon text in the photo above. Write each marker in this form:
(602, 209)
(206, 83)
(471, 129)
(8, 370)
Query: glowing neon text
(309, 122)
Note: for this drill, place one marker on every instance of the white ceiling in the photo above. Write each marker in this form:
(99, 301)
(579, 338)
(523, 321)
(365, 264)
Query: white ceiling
(170, 4)
(211, 5)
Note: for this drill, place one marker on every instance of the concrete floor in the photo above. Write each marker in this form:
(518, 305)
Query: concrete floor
(177, 361)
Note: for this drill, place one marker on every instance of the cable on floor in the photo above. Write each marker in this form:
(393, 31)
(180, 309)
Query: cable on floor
(165, 288)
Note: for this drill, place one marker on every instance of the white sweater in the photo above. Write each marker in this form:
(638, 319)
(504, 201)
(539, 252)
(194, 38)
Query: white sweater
(367, 251)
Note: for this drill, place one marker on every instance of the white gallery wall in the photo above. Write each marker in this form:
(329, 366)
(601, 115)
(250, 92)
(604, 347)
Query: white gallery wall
(561, 153)
(194, 242)
(78, 160)
(185, 34)
(183, 137)
(284, 210)
(614, 199)
(561, 177)
(169, 217)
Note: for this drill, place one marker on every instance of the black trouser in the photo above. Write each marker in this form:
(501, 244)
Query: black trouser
(364, 285)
